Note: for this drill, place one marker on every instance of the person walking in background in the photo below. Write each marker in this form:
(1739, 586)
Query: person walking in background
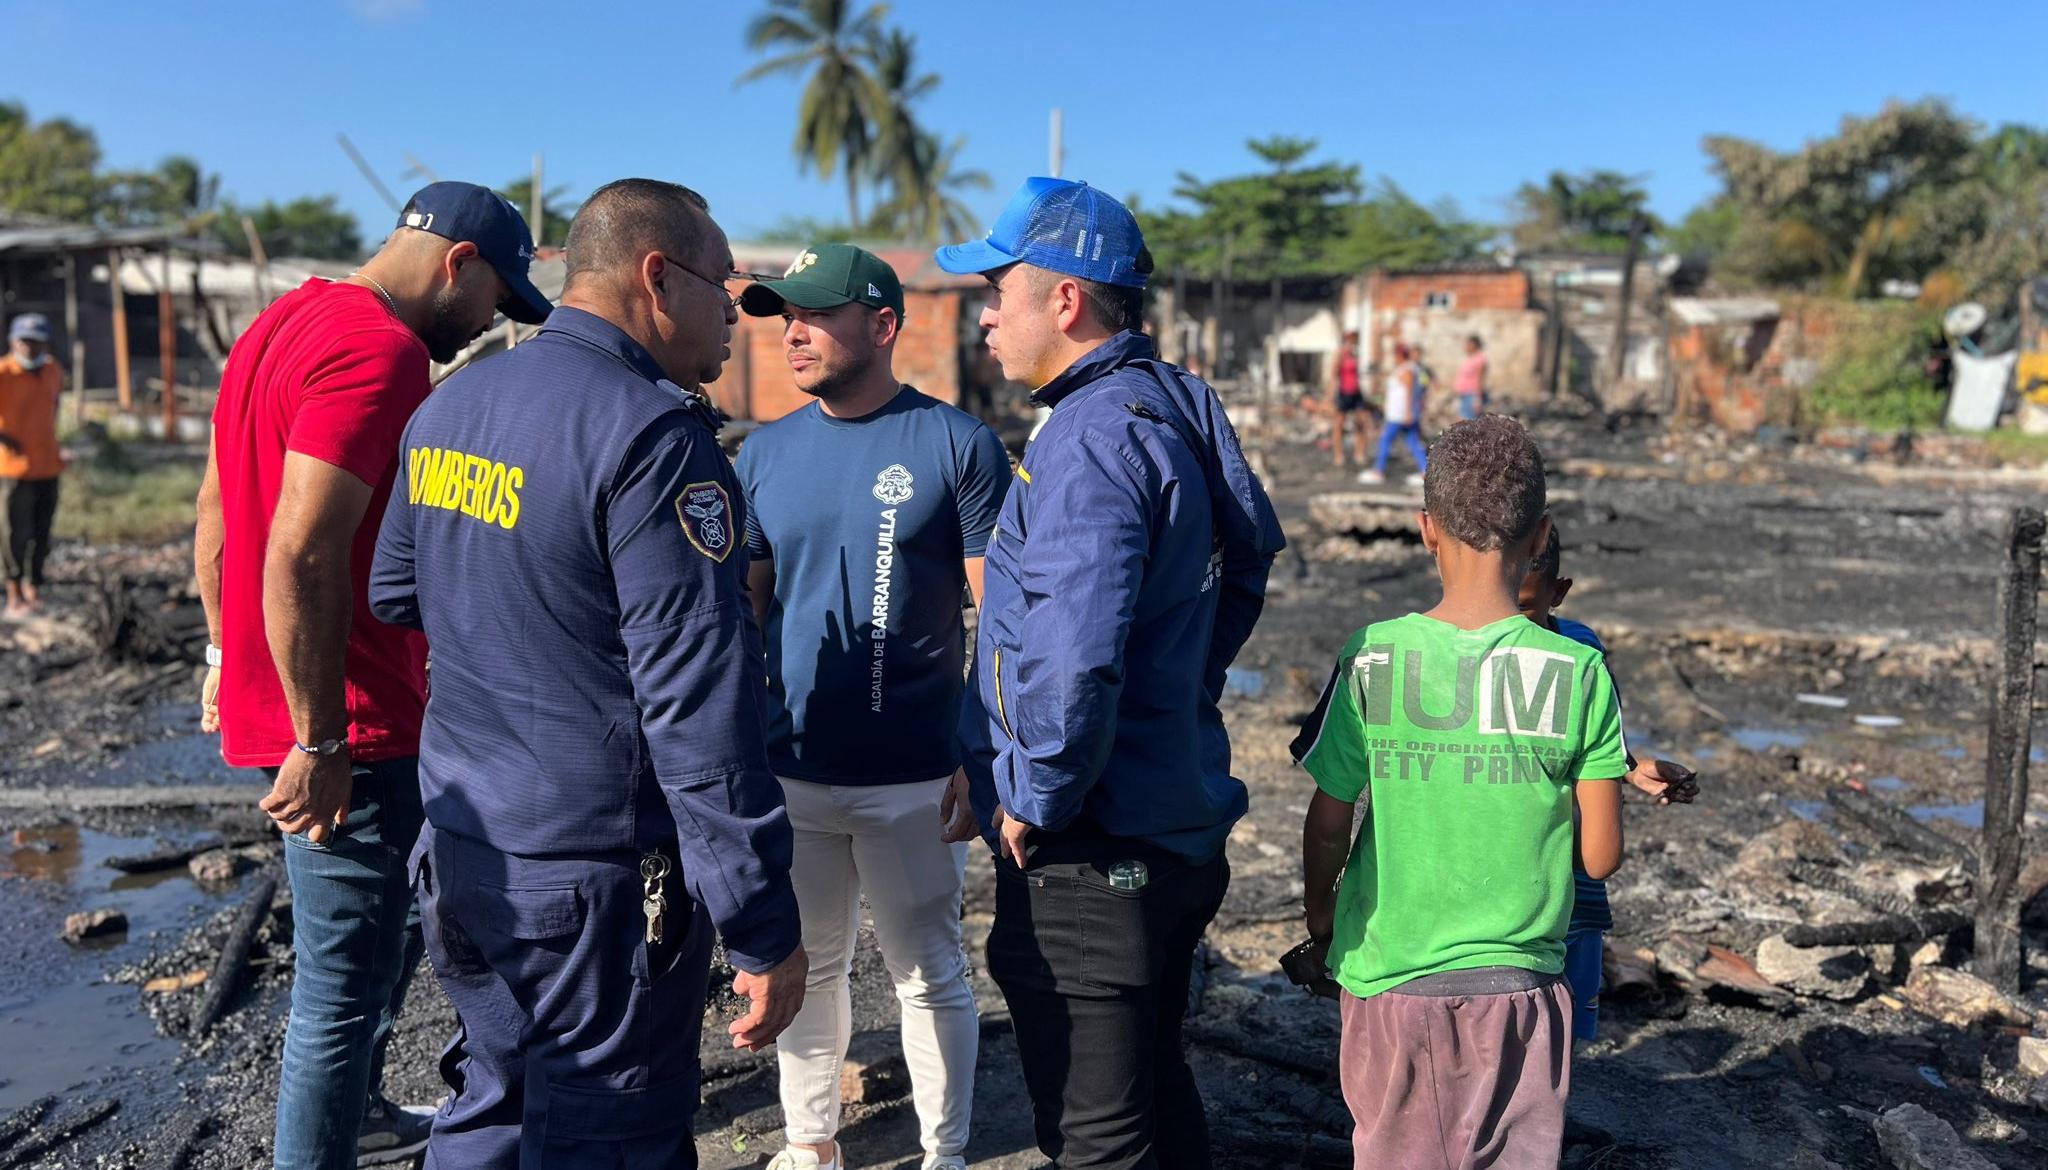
(1471, 382)
(30, 463)
(1404, 418)
(1349, 411)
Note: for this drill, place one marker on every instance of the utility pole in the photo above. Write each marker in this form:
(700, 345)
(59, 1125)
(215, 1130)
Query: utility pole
(1618, 360)
(1058, 153)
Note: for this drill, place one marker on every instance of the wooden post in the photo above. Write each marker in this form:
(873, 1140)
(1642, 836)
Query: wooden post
(167, 341)
(124, 382)
(1618, 361)
(1181, 349)
(71, 331)
(1279, 323)
(2005, 767)
(1560, 337)
(259, 263)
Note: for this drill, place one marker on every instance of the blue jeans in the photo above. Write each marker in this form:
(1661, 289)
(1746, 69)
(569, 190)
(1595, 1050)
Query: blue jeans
(355, 943)
(1582, 957)
(1471, 405)
(1409, 431)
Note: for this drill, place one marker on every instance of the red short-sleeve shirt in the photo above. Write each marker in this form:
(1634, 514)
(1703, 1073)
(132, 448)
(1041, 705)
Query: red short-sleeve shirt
(326, 371)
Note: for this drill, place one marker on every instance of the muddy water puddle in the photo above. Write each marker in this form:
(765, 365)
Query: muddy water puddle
(64, 1029)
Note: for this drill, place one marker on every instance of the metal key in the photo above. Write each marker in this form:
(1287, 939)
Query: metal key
(655, 908)
(653, 868)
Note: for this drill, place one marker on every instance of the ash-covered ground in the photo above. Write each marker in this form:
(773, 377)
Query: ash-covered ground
(1728, 582)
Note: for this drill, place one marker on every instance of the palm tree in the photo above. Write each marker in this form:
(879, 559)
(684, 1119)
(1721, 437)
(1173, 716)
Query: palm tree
(896, 89)
(928, 206)
(916, 164)
(830, 42)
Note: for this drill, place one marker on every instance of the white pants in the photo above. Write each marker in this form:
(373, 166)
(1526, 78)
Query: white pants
(883, 839)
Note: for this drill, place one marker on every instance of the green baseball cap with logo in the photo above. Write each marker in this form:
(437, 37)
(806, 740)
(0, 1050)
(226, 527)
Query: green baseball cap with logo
(825, 276)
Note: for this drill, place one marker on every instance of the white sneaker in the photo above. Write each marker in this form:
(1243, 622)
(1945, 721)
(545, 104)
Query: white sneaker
(1414, 479)
(1371, 475)
(792, 1158)
(945, 1162)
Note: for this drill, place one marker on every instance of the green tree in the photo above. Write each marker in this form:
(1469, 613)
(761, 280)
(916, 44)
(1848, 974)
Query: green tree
(1885, 197)
(308, 228)
(1390, 229)
(556, 210)
(47, 169)
(832, 45)
(928, 207)
(1590, 212)
(2006, 201)
(897, 157)
(1706, 231)
(1301, 218)
(178, 193)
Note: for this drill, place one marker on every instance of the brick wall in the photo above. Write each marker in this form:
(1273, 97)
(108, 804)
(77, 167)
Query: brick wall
(1513, 339)
(758, 385)
(1507, 288)
(1744, 375)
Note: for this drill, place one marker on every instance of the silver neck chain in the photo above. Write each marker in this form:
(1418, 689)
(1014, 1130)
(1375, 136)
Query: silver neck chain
(390, 302)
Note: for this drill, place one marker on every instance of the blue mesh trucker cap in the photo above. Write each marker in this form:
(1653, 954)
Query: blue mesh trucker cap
(1060, 225)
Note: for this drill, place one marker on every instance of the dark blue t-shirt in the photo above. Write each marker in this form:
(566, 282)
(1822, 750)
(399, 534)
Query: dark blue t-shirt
(868, 521)
(1590, 910)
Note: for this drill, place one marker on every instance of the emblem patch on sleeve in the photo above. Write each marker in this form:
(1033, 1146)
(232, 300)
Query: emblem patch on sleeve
(706, 513)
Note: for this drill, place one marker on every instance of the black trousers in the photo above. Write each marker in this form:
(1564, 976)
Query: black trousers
(1097, 983)
(27, 509)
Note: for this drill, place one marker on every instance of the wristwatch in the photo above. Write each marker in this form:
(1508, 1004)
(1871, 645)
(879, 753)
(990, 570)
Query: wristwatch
(325, 747)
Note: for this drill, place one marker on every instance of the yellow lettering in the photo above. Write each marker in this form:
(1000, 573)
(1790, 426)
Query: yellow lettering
(429, 491)
(451, 479)
(515, 477)
(416, 464)
(490, 497)
(482, 489)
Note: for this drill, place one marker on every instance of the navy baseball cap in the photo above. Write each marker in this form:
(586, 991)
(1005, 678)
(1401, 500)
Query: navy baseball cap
(1060, 225)
(481, 216)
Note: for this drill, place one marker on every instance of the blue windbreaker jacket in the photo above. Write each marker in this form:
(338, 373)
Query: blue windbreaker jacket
(1126, 572)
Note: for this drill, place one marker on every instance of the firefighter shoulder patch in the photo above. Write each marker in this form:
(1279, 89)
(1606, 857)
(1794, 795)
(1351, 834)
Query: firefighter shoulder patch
(706, 513)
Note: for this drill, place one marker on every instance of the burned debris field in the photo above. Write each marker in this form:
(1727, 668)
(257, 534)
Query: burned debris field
(1789, 980)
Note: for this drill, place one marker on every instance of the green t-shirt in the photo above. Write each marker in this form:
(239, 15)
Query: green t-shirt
(1470, 742)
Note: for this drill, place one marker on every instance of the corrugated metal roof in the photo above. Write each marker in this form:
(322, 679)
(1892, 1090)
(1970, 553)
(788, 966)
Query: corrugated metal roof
(1723, 310)
(73, 237)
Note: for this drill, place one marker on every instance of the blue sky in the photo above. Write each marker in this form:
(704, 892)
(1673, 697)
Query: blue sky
(1450, 100)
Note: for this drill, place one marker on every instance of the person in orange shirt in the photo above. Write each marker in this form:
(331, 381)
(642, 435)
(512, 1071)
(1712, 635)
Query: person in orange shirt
(30, 380)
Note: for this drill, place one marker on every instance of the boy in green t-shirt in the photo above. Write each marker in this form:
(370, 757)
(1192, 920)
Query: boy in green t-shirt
(1476, 733)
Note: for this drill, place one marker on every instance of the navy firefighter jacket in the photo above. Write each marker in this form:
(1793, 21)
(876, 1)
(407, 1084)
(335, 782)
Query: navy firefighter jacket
(573, 542)
(1126, 571)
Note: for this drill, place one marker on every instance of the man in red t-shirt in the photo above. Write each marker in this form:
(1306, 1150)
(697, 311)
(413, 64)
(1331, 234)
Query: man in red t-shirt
(303, 681)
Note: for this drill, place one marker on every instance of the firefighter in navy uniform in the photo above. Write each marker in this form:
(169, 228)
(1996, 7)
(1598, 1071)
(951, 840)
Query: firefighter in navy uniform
(571, 539)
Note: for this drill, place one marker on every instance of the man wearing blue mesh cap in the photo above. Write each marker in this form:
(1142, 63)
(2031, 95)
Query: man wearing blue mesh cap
(1127, 569)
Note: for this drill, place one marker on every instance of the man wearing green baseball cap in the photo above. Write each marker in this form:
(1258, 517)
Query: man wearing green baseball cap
(868, 511)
